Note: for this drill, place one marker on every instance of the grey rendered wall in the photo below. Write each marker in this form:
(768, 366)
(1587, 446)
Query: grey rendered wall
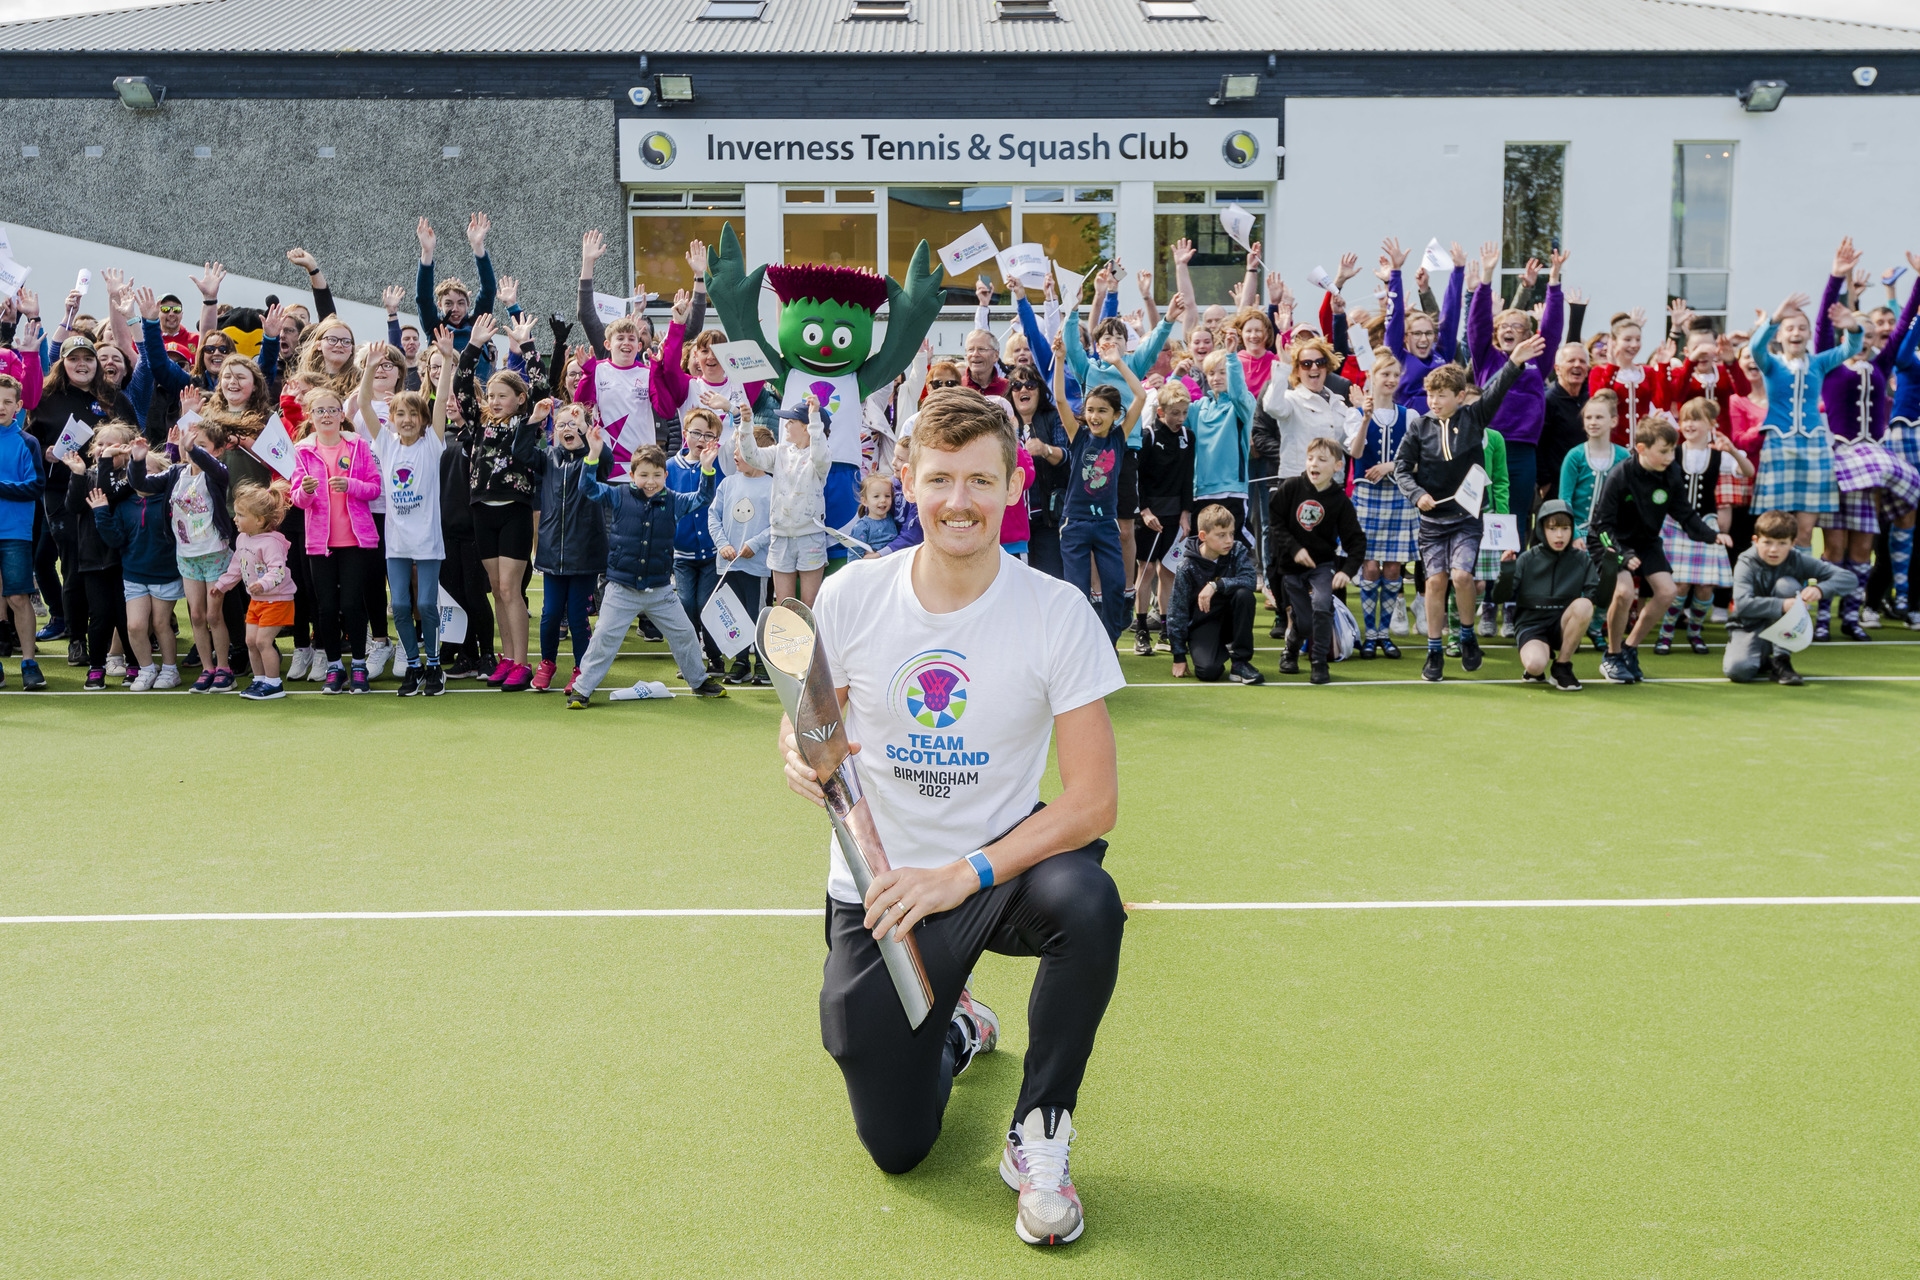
(545, 170)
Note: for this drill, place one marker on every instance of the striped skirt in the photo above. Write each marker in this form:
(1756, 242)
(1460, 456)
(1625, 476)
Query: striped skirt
(1796, 474)
(1698, 564)
(1390, 522)
(1872, 482)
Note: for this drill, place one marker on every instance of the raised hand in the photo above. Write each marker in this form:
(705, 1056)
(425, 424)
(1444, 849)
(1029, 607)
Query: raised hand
(1349, 268)
(95, 498)
(593, 246)
(520, 329)
(1845, 258)
(391, 297)
(1253, 258)
(543, 410)
(1558, 259)
(1144, 280)
(1458, 254)
(270, 322)
(1177, 308)
(1183, 252)
(1420, 280)
(682, 305)
(1392, 254)
(1638, 317)
(507, 292)
(715, 401)
(148, 304)
(27, 336)
(477, 227)
(1531, 272)
(302, 259)
(1576, 297)
(484, 327)
(1843, 317)
(1913, 260)
(1049, 289)
(697, 258)
(1794, 302)
(423, 232)
(208, 282)
(443, 340)
(1529, 349)
(1276, 286)
(983, 291)
(1103, 279)
(115, 279)
(1489, 259)
(191, 399)
(29, 303)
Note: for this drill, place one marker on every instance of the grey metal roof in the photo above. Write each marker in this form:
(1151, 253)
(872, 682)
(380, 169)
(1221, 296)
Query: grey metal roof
(945, 26)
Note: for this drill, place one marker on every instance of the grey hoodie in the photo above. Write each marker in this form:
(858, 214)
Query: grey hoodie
(1759, 587)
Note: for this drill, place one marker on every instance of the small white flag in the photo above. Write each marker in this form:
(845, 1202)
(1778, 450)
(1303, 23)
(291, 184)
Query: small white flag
(1026, 263)
(1473, 490)
(745, 360)
(274, 447)
(83, 282)
(1319, 279)
(968, 252)
(1502, 533)
(73, 436)
(1070, 286)
(453, 620)
(1238, 224)
(1437, 260)
(726, 620)
(1794, 631)
(12, 275)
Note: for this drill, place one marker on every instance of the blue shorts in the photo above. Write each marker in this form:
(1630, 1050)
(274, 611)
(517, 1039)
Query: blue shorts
(175, 590)
(16, 566)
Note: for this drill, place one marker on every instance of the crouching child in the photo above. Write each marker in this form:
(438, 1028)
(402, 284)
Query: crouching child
(1210, 618)
(1769, 576)
(1552, 584)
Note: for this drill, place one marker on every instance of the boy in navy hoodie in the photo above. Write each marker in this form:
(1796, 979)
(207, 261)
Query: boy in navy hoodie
(23, 478)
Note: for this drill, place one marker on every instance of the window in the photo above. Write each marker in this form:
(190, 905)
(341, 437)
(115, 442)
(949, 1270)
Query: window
(835, 225)
(662, 221)
(880, 11)
(1038, 10)
(726, 10)
(941, 215)
(1535, 187)
(1163, 10)
(1702, 227)
(1193, 213)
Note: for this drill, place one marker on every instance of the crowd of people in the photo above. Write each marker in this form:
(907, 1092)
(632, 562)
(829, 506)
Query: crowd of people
(280, 473)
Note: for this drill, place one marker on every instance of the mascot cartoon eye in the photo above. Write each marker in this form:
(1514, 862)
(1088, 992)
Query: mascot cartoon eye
(842, 337)
(813, 335)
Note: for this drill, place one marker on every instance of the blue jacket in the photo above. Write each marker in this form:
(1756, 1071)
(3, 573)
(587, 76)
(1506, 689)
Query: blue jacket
(640, 541)
(141, 529)
(23, 478)
(691, 541)
(1793, 398)
(430, 310)
(1222, 426)
(1098, 373)
(573, 535)
(156, 371)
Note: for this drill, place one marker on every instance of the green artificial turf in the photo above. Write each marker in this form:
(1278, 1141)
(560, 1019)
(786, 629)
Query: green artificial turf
(1439, 1093)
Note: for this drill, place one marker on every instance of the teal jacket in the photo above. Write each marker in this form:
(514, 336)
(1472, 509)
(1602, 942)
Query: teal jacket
(1577, 484)
(1098, 373)
(1222, 426)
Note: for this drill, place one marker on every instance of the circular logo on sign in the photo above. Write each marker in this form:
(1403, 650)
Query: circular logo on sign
(1240, 149)
(1658, 496)
(657, 150)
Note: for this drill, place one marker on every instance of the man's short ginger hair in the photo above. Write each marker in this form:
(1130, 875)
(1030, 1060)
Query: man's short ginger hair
(953, 418)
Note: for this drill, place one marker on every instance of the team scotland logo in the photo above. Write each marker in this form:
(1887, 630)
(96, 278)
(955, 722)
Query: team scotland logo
(828, 394)
(931, 689)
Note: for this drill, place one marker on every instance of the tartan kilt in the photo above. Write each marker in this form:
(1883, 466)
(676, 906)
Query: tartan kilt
(1872, 480)
(1698, 564)
(1903, 442)
(1731, 490)
(1391, 523)
(1796, 475)
(1487, 567)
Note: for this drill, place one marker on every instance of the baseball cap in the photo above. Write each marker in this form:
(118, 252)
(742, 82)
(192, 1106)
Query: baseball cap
(77, 342)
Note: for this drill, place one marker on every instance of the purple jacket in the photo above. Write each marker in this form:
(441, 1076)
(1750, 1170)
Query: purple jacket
(1414, 369)
(363, 486)
(1856, 397)
(1522, 416)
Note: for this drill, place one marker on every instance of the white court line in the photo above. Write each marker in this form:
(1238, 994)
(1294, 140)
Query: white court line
(223, 917)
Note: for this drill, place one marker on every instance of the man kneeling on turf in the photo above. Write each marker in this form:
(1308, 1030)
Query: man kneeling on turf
(1767, 578)
(1211, 617)
(1553, 585)
(955, 663)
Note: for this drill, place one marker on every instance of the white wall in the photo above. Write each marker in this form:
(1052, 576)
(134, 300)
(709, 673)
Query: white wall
(1359, 170)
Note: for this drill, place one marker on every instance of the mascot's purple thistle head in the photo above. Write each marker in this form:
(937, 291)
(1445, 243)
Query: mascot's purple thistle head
(826, 315)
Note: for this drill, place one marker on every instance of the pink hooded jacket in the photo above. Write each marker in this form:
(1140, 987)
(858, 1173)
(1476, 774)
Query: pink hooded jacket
(363, 486)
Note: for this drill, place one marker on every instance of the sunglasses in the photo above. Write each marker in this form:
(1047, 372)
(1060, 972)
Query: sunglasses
(1024, 386)
(217, 351)
(1317, 362)
(943, 382)
(169, 311)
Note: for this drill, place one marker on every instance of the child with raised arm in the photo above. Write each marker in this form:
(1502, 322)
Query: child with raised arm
(408, 452)
(797, 551)
(23, 479)
(571, 552)
(260, 561)
(1635, 501)
(203, 531)
(1089, 537)
(640, 565)
(1440, 449)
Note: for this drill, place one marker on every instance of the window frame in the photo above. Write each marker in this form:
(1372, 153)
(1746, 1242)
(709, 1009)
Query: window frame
(1676, 224)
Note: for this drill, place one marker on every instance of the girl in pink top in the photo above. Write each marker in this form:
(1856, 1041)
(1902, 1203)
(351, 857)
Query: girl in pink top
(335, 477)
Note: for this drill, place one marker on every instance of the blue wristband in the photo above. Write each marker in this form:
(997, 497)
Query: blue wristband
(982, 868)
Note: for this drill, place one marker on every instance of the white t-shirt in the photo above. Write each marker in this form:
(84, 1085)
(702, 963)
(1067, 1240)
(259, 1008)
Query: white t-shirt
(626, 410)
(410, 478)
(379, 502)
(954, 711)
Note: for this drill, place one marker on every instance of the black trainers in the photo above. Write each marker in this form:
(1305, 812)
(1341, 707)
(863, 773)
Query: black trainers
(1663, 646)
(1290, 663)
(1365, 649)
(711, 689)
(1614, 669)
(1470, 655)
(76, 653)
(741, 672)
(648, 631)
(433, 683)
(1435, 667)
(462, 669)
(409, 683)
(1247, 673)
(1320, 674)
(1631, 653)
(760, 677)
(1388, 649)
(30, 678)
(1142, 641)
(1532, 677)
(1783, 672)
(1852, 630)
(336, 681)
(1697, 642)
(1560, 676)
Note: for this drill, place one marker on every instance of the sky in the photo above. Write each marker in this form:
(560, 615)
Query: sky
(1898, 13)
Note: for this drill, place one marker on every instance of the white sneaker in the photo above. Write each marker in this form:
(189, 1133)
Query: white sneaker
(1506, 628)
(1398, 623)
(1484, 627)
(117, 666)
(1034, 1163)
(317, 669)
(1718, 616)
(1869, 618)
(378, 655)
(169, 678)
(301, 664)
(143, 681)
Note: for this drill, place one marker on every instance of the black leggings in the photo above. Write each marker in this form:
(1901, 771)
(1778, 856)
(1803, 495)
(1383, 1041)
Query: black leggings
(1064, 910)
(375, 586)
(104, 608)
(340, 598)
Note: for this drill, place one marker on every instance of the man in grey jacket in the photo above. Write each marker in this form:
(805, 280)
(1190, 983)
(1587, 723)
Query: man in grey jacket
(1769, 576)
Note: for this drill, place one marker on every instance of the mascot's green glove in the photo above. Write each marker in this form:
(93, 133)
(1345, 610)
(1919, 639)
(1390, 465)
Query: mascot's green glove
(910, 315)
(736, 298)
